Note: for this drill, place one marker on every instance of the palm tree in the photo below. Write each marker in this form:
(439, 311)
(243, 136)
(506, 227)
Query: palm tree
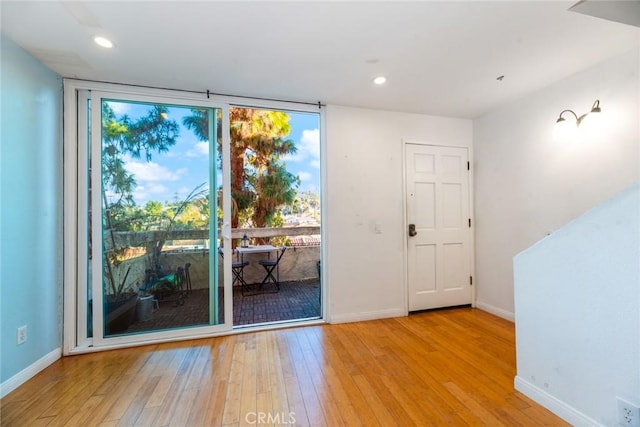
(256, 141)
(272, 183)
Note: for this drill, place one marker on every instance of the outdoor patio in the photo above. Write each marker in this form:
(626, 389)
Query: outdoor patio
(295, 300)
(186, 303)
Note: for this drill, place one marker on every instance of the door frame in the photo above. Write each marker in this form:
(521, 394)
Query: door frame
(405, 223)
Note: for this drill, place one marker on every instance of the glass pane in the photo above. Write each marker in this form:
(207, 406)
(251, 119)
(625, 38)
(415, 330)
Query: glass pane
(85, 159)
(159, 219)
(275, 188)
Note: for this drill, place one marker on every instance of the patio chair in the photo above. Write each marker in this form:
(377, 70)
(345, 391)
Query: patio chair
(237, 268)
(270, 265)
(187, 278)
(165, 288)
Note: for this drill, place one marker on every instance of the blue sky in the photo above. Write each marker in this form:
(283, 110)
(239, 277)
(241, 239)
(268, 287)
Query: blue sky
(186, 165)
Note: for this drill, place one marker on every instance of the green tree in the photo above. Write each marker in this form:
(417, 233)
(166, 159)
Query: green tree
(149, 134)
(195, 215)
(274, 186)
(153, 210)
(257, 141)
(172, 215)
(152, 133)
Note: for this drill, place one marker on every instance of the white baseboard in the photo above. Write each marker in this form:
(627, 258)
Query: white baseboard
(367, 315)
(495, 310)
(558, 407)
(29, 372)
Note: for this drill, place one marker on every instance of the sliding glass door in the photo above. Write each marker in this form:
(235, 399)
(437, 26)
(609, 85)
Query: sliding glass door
(275, 186)
(186, 217)
(154, 205)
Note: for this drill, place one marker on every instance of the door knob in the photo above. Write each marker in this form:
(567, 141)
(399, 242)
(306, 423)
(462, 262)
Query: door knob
(412, 230)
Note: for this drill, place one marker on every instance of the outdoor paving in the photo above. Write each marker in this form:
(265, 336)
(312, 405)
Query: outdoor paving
(296, 300)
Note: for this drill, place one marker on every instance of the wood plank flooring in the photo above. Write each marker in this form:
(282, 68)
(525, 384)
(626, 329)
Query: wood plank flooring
(451, 367)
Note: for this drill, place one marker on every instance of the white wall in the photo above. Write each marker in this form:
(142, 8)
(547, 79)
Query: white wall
(577, 296)
(527, 184)
(364, 179)
(31, 226)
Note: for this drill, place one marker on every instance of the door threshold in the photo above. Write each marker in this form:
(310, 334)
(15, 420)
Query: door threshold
(453, 307)
(280, 324)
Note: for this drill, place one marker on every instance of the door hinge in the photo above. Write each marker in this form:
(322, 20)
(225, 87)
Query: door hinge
(471, 280)
(469, 222)
(468, 166)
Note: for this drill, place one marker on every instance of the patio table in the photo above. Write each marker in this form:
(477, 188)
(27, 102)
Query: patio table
(255, 249)
(261, 249)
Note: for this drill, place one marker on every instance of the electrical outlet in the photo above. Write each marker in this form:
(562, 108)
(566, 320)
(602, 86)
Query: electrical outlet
(628, 413)
(22, 334)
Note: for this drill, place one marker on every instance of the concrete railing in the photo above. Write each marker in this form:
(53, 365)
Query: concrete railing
(122, 239)
(297, 263)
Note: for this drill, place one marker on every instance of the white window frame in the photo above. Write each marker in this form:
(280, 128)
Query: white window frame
(76, 203)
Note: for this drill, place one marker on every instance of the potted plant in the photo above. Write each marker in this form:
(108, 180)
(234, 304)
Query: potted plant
(119, 304)
(119, 301)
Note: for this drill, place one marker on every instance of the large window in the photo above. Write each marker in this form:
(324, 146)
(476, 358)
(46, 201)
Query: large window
(187, 217)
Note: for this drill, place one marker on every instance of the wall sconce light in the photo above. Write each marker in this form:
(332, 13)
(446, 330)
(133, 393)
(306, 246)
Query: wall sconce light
(566, 127)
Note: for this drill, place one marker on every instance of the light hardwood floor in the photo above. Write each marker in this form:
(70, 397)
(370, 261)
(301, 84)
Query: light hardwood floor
(451, 367)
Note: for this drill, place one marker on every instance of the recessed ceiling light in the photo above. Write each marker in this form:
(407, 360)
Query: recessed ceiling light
(380, 80)
(103, 41)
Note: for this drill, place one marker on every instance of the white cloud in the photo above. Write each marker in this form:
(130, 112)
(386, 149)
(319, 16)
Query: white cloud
(156, 188)
(120, 108)
(304, 176)
(151, 172)
(153, 188)
(200, 149)
(183, 191)
(142, 193)
(308, 148)
(310, 141)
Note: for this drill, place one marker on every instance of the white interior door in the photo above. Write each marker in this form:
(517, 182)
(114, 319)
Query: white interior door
(438, 214)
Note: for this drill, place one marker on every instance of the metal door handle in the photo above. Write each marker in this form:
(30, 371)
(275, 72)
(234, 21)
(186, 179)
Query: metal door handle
(412, 230)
